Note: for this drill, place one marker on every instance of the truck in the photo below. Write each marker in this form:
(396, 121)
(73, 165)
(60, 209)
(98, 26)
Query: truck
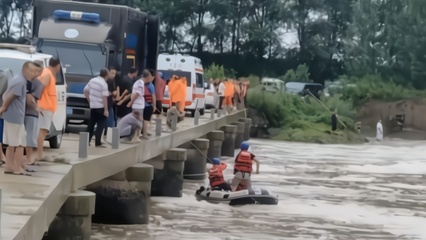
(87, 37)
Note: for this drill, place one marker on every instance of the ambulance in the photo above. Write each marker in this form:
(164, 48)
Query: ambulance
(189, 67)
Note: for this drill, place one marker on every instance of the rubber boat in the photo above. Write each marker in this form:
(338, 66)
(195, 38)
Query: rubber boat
(243, 197)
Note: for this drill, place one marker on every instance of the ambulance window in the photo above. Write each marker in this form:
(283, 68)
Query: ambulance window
(200, 80)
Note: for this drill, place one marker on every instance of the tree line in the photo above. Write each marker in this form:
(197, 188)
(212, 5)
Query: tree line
(332, 37)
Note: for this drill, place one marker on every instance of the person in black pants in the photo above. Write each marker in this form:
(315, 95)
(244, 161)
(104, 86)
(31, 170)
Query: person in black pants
(96, 92)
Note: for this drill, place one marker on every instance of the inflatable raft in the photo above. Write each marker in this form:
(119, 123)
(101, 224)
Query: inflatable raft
(243, 197)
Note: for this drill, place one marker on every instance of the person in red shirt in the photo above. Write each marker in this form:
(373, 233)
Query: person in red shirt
(243, 167)
(217, 181)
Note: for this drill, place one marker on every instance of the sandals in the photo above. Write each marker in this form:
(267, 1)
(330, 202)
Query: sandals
(18, 174)
(30, 170)
(2, 162)
(34, 164)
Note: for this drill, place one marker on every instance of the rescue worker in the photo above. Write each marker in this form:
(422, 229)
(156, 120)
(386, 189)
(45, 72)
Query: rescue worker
(243, 167)
(217, 181)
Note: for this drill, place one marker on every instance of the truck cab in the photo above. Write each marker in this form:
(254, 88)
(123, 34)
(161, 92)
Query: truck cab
(90, 36)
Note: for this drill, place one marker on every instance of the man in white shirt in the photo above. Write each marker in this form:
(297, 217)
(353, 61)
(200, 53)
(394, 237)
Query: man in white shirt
(137, 100)
(96, 92)
(221, 92)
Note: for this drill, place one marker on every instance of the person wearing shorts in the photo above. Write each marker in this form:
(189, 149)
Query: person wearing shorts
(48, 103)
(4, 77)
(13, 113)
(243, 167)
(34, 91)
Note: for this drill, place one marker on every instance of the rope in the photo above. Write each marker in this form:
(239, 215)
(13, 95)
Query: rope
(324, 106)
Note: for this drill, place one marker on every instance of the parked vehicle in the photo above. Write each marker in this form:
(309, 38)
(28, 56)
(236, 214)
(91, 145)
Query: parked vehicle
(191, 68)
(90, 36)
(210, 93)
(12, 57)
(273, 85)
(301, 88)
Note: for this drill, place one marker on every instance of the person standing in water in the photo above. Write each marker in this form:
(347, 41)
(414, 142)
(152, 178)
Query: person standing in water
(379, 131)
(334, 121)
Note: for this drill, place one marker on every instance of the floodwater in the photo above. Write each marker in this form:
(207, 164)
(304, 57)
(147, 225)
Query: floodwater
(327, 192)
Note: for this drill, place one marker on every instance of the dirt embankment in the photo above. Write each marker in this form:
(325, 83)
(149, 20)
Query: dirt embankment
(414, 110)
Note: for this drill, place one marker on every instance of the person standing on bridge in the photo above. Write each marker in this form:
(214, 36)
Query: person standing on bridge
(5, 75)
(13, 113)
(150, 100)
(34, 91)
(160, 88)
(125, 86)
(137, 100)
(112, 94)
(48, 103)
(96, 92)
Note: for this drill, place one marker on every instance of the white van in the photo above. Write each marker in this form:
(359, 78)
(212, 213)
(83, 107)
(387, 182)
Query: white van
(189, 67)
(273, 85)
(12, 57)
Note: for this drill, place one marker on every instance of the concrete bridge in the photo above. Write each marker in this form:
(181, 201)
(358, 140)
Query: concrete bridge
(59, 199)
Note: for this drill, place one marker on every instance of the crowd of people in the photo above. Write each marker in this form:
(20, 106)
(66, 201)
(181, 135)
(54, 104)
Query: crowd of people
(29, 102)
(230, 93)
(27, 106)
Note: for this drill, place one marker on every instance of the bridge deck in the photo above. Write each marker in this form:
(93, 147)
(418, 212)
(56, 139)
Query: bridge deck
(29, 204)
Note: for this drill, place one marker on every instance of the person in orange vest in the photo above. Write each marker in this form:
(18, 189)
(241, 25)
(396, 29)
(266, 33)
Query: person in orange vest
(177, 92)
(229, 94)
(243, 167)
(48, 103)
(217, 181)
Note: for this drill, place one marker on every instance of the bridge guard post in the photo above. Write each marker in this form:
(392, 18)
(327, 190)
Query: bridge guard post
(228, 144)
(216, 138)
(169, 180)
(239, 136)
(124, 197)
(247, 127)
(74, 218)
(195, 165)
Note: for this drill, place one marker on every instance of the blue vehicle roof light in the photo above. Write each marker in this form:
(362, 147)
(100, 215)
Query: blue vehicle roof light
(77, 16)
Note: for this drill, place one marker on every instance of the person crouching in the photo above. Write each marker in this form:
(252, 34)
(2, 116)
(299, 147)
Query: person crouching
(217, 181)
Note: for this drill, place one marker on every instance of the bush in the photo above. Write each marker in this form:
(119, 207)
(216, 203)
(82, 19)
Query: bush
(292, 111)
(214, 71)
(301, 74)
(374, 87)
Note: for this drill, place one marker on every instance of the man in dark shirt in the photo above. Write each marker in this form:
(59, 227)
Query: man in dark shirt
(125, 86)
(112, 94)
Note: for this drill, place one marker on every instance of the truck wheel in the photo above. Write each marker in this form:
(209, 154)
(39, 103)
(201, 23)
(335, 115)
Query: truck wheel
(201, 112)
(192, 113)
(55, 141)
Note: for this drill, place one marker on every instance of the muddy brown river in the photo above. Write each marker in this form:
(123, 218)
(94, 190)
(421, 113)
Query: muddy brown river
(327, 192)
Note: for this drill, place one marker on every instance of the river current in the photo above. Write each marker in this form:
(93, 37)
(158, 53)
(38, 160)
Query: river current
(327, 192)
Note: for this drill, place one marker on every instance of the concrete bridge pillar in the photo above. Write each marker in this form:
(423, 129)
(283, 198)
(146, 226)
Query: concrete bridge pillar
(239, 136)
(168, 181)
(195, 165)
(74, 218)
(216, 138)
(228, 144)
(124, 198)
(247, 122)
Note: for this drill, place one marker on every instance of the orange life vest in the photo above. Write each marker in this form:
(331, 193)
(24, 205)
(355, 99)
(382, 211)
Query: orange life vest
(147, 94)
(216, 176)
(244, 162)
